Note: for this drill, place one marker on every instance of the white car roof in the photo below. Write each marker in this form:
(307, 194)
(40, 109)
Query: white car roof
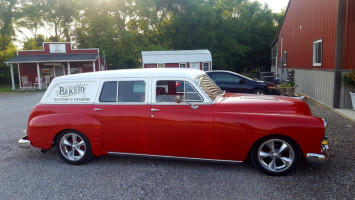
(134, 73)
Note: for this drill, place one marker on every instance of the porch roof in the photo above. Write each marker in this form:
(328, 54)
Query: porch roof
(53, 58)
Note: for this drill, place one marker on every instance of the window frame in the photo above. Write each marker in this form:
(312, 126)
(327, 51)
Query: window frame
(205, 99)
(315, 53)
(208, 65)
(183, 64)
(160, 64)
(103, 81)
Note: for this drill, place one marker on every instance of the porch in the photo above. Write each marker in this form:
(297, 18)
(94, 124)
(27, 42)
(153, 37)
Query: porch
(37, 71)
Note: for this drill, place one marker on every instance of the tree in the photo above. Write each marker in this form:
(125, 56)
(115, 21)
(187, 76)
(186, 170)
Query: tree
(237, 32)
(60, 14)
(7, 49)
(34, 43)
(31, 16)
(7, 8)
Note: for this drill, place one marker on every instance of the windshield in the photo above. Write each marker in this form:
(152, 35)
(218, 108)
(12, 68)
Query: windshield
(211, 89)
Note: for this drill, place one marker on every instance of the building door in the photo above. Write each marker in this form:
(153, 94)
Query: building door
(195, 65)
(58, 71)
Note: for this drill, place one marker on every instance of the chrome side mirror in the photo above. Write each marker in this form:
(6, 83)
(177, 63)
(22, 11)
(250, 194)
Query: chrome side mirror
(178, 99)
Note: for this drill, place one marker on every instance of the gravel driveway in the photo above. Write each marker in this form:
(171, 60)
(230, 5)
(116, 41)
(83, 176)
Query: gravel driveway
(29, 174)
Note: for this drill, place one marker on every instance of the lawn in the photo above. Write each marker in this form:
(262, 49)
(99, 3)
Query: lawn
(7, 88)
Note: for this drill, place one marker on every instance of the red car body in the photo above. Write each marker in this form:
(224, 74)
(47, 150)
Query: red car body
(224, 129)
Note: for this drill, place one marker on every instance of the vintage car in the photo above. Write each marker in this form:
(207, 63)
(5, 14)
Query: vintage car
(172, 113)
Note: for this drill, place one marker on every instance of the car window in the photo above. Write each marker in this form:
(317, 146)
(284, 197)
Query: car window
(168, 90)
(109, 92)
(223, 77)
(210, 88)
(123, 91)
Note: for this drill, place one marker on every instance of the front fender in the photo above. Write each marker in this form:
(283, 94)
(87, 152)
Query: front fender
(235, 133)
(43, 129)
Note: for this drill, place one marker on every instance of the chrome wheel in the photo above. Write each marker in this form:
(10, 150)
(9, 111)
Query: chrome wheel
(72, 146)
(276, 155)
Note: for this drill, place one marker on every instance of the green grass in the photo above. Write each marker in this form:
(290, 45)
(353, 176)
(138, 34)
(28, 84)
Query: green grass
(7, 88)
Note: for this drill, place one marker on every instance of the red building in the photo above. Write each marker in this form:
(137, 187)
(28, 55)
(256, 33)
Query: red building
(317, 40)
(36, 68)
(195, 59)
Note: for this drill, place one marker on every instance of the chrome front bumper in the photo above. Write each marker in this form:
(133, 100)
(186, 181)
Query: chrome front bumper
(24, 143)
(319, 158)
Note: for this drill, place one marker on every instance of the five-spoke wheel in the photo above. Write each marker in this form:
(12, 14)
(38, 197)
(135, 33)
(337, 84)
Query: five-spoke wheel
(73, 147)
(275, 155)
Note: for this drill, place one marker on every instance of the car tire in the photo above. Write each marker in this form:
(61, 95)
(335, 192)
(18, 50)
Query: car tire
(276, 155)
(259, 92)
(73, 147)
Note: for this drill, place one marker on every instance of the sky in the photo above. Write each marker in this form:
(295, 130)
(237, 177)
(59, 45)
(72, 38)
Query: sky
(275, 5)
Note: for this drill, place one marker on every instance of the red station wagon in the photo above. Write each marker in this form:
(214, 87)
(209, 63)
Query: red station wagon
(173, 113)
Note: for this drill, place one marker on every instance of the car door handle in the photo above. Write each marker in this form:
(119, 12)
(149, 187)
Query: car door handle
(98, 109)
(154, 110)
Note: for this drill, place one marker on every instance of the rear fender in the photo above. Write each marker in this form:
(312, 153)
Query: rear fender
(43, 129)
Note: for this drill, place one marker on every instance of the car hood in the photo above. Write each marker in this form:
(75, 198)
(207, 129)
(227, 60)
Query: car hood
(264, 104)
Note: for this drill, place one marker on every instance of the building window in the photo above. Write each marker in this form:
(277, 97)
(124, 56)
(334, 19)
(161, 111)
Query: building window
(206, 66)
(182, 65)
(161, 65)
(317, 52)
(285, 58)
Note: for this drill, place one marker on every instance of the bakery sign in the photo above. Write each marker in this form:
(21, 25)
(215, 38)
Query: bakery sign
(57, 48)
(72, 92)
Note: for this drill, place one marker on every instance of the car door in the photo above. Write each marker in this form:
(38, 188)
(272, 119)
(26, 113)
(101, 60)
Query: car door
(179, 129)
(121, 108)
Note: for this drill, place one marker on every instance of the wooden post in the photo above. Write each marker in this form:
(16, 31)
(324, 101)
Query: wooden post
(68, 68)
(12, 77)
(39, 77)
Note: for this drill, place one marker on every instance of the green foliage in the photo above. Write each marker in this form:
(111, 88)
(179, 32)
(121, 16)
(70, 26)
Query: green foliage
(349, 78)
(287, 85)
(31, 15)
(237, 32)
(6, 54)
(34, 43)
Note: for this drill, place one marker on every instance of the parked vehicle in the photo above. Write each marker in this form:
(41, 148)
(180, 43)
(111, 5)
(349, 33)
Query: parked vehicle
(236, 83)
(174, 113)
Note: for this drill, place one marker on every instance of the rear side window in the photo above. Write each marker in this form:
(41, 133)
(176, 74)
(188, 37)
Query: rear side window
(109, 92)
(123, 91)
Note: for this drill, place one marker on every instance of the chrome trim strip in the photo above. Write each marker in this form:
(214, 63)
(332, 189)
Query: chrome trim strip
(324, 122)
(172, 157)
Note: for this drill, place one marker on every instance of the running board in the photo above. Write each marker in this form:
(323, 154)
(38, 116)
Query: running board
(173, 157)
